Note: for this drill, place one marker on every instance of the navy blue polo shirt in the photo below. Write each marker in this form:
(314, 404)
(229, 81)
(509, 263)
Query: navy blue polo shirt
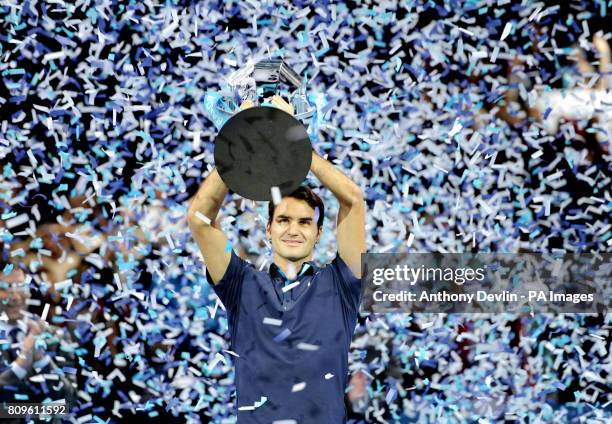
(293, 344)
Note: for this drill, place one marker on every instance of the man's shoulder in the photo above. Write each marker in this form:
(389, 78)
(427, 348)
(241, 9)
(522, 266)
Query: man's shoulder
(247, 264)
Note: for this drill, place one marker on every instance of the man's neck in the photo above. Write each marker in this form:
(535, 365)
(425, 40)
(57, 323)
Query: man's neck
(284, 263)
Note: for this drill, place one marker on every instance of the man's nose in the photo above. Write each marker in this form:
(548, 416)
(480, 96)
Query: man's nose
(293, 228)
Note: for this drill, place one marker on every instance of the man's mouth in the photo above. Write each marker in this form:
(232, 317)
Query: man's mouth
(292, 242)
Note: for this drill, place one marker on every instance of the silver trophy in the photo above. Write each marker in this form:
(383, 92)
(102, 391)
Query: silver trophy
(260, 81)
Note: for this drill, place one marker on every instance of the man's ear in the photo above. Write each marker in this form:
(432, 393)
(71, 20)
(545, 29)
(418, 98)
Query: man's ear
(268, 234)
(319, 231)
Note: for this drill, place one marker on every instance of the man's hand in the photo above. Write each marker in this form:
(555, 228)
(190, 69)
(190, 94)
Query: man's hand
(248, 103)
(276, 101)
(601, 45)
(280, 103)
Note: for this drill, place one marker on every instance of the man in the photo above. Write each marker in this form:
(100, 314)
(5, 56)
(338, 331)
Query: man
(33, 356)
(290, 326)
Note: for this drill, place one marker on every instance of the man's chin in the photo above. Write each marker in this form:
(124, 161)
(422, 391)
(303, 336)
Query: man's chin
(293, 257)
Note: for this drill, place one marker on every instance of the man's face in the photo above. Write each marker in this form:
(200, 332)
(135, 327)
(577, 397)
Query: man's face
(13, 295)
(293, 230)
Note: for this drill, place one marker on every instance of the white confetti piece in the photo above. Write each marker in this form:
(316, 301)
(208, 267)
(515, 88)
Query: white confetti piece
(118, 282)
(69, 303)
(170, 242)
(61, 285)
(216, 359)
(276, 195)
(170, 29)
(272, 321)
(410, 240)
(45, 312)
(554, 176)
(53, 56)
(307, 346)
(138, 108)
(291, 286)
(196, 140)
(17, 220)
(256, 405)
(116, 373)
(213, 310)
(506, 31)
(427, 325)
(85, 418)
(324, 41)
(457, 126)
(481, 54)
(202, 217)
(535, 13)
(298, 387)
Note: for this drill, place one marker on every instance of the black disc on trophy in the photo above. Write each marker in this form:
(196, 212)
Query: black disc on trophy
(260, 148)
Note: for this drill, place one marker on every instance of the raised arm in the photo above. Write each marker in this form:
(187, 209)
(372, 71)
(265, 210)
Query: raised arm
(603, 48)
(201, 217)
(350, 235)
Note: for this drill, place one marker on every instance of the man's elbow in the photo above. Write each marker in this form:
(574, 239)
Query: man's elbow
(196, 218)
(355, 196)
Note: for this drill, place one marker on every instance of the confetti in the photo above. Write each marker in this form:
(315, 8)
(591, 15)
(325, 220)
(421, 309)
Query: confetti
(469, 127)
(254, 406)
(410, 240)
(298, 387)
(276, 195)
(16, 221)
(45, 312)
(273, 321)
(307, 346)
(290, 287)
(506, 32)
(202, 217)
(282, 335)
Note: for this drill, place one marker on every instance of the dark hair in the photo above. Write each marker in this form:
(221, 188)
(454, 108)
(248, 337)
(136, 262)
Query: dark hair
(307, 195)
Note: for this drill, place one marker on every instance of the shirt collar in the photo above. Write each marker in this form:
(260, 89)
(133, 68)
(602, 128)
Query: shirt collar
(308, 268)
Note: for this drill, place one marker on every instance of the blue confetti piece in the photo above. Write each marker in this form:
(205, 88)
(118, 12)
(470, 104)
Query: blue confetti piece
(8, 269)
(282, 335)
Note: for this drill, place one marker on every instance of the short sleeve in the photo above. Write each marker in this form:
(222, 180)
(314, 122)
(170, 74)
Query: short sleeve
(228, 288)
(350, 286)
